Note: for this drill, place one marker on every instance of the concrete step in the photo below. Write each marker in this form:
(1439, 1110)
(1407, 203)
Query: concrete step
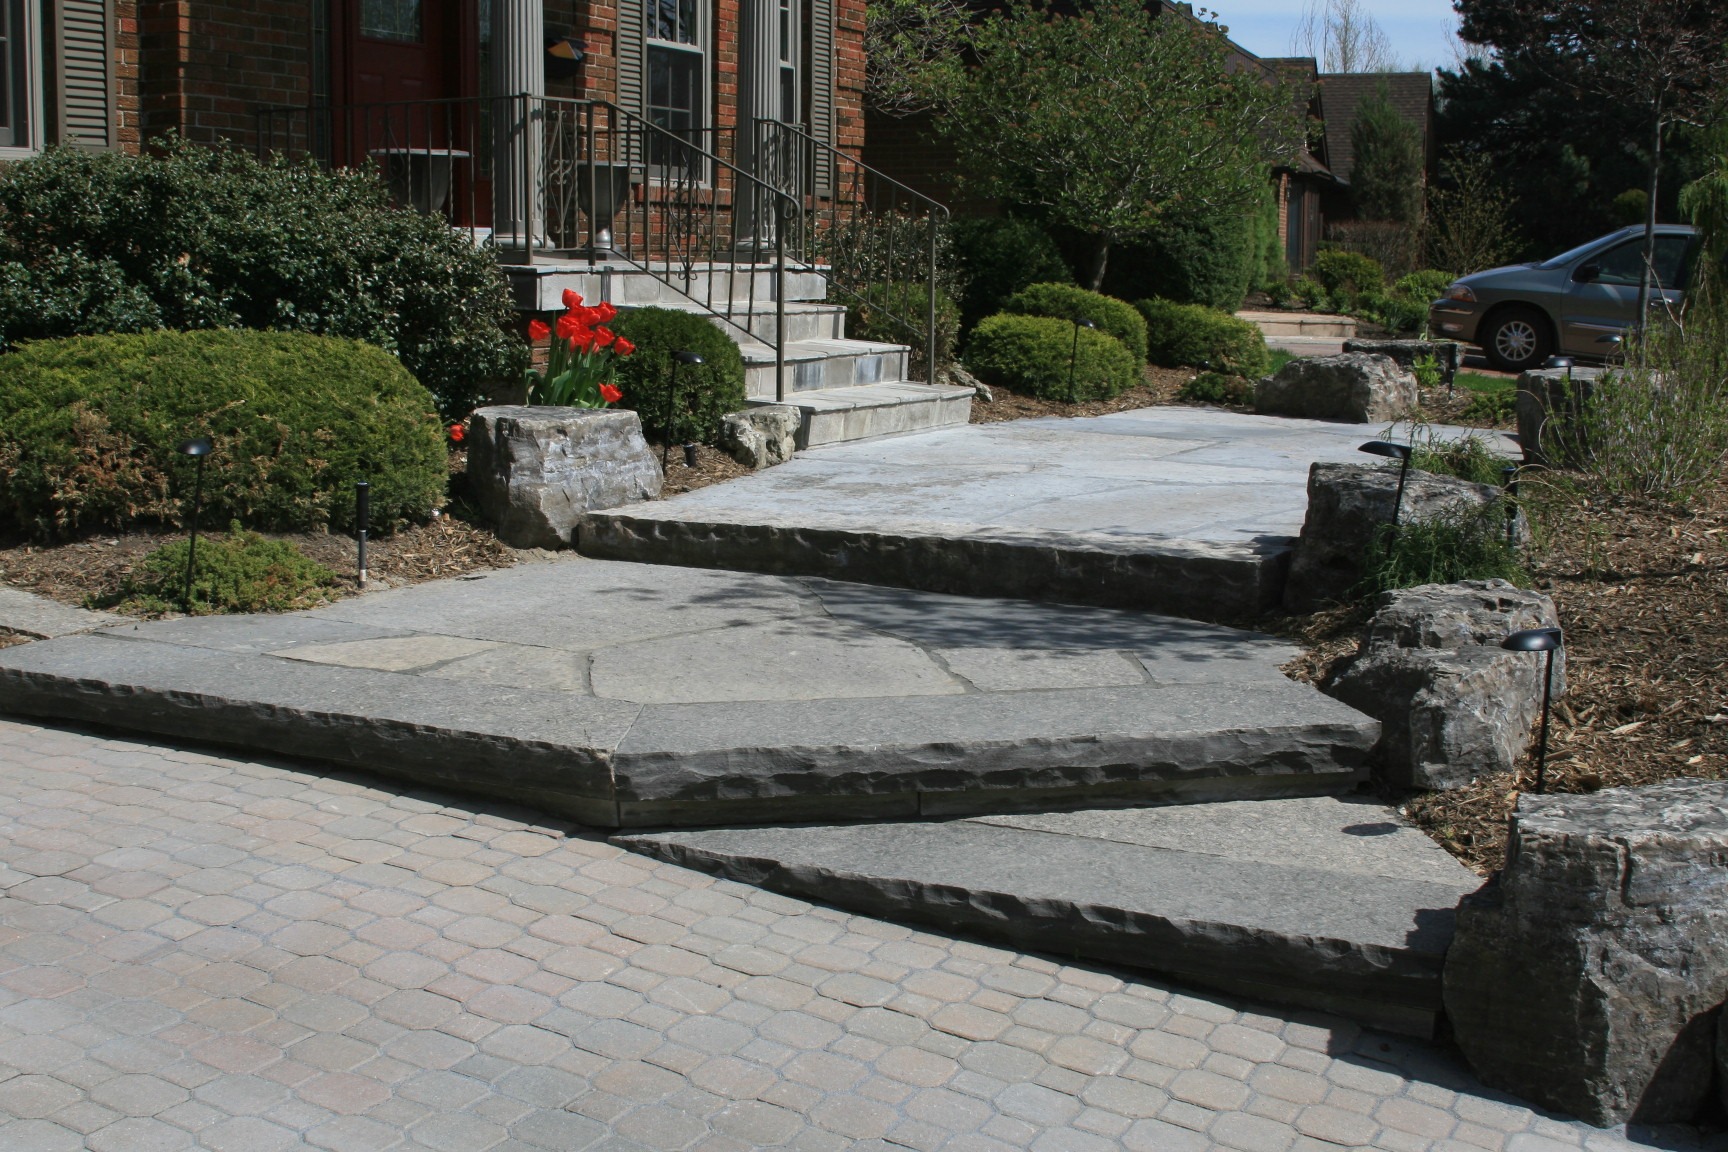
(1281, 324)
(841, 415)
(1327, 903)
(626, 695)
(540, 287)
(805, 320)
(812, 365)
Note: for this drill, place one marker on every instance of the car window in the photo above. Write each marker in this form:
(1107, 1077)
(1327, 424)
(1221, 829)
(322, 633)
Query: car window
(1569, 255)
(1623, 264)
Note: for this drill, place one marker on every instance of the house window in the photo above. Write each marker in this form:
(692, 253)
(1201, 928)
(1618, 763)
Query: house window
(17, 65)
(677, 71)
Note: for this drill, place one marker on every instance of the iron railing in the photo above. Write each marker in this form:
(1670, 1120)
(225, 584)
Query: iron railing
(545, 179)
(880, 240)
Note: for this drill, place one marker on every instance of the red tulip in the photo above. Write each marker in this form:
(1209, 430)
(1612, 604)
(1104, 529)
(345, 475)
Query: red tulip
(603, 336)
(610, 394)
(623, 347)
(458, 433)
(538, 330)
(605, 313)
(572, 298)
(570, 326)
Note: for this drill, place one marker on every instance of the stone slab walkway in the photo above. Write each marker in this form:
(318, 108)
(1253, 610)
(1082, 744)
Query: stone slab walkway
(1325, 902)
(203, 952)
(1183, 510)
(640, 695)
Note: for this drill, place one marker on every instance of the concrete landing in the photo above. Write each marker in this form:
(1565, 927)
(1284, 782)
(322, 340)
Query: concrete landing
(634, 695)
(1328, 903)
(1189, 511)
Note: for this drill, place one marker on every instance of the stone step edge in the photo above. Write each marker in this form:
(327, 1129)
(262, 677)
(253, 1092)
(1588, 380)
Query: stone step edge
(1396, 990)
(1214, 583)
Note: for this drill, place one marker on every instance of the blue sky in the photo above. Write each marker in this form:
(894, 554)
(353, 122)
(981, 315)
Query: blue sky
(1417, 28)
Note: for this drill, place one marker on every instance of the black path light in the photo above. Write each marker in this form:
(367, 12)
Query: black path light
(1074, 355)
(1549, 640)
(198, 449)
(679, 358)
(1401, 453)
(362, 524)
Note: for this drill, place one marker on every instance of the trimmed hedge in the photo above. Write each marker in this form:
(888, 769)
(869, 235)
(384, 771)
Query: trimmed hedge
(1191, 258)
(1031, 355)
(198, 238)
(1066, 302)
(1190, 336)
(89, 428)
(998, 256)
(1347, 275)
(706, 391)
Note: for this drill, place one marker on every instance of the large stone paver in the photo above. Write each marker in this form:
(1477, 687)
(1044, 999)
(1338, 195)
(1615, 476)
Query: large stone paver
(1182, 510)
(215, 953)
(642, 695)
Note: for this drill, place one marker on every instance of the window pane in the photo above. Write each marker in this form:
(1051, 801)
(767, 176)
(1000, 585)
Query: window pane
(397, 20)
(687, 22)
(674, 97)
(1623, 265)
(11, 72)
(1620, 264)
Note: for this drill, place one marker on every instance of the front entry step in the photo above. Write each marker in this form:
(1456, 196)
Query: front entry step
(838, 415)
(1300, 324)
(814, 365)
(1326, 902)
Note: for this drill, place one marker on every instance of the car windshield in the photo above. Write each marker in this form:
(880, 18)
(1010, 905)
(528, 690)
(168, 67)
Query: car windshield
(1566, 258)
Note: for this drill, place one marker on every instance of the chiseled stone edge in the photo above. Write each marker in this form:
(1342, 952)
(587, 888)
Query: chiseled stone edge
(1396, 989)
(1217, 583)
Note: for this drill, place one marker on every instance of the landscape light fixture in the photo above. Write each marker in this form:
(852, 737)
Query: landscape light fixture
(681, 357)
(1401, 453)
(1547, 640)
(197, 448)
(362, 524)
(1074, 355)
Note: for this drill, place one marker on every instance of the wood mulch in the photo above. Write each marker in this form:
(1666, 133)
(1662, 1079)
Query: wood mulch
(1642, 593)
(1160, 387)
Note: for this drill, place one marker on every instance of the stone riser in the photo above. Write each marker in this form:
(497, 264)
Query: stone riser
(540, 288)
(1218, 585)
(807, 322)
(811, 373)
(829, 419)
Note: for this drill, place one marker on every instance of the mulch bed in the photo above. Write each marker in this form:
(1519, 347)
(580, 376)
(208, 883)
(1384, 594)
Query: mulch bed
(1160, 387)
(1642, 592)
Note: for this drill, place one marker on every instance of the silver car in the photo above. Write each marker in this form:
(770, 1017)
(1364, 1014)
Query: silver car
(1574, 303)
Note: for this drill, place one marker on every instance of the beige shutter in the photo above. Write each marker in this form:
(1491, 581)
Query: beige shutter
(630, 43)
(822, 88)
(86, 73)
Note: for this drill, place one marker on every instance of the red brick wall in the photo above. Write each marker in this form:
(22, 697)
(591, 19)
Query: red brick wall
(128, 110)
(209, 64)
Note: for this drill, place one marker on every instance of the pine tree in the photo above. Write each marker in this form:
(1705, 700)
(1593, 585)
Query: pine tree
(1386, 180)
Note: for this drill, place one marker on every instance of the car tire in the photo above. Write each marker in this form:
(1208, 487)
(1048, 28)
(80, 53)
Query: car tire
(1517, 339)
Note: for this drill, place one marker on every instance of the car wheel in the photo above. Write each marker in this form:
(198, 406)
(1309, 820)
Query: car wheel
(1517, 339)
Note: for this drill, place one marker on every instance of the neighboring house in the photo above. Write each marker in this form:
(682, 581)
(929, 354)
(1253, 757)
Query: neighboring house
(1341, 95)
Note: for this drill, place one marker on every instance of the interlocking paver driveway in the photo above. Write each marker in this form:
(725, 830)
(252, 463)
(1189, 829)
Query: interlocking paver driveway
(226, 954)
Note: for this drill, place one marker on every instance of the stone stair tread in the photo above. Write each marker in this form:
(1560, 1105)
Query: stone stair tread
(1326, 902)
(873, 395)
(755, 352)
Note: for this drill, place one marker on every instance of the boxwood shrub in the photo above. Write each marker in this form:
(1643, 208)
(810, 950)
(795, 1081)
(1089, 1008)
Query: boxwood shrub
(998, 256)
(706, 391)
(1030, 355)
(197, 237)
(89, 427)
(1067, 302)
(1190, 336)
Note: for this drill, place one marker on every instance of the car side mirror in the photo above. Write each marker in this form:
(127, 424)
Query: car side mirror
(1587, 273)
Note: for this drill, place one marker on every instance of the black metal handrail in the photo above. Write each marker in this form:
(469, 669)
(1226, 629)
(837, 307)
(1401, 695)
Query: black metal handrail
(880, 239)
(547, 178)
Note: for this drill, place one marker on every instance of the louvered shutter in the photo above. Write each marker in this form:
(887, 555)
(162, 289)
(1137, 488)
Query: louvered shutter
(822, 88)
(630, 43)
(87, 93)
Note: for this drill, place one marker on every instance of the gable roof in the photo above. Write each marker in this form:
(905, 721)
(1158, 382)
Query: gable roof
(1341, 93)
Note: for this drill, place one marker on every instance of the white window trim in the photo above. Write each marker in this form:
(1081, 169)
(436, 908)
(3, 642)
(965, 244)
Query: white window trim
(35, 111)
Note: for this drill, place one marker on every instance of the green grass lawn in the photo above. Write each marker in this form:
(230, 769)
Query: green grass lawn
(1479, 383)
(1281, 358)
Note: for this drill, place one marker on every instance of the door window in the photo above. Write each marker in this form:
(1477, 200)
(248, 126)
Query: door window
(399, 21)
(1623, 264)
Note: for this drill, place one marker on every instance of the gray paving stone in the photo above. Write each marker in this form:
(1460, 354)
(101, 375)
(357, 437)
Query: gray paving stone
(27, 614)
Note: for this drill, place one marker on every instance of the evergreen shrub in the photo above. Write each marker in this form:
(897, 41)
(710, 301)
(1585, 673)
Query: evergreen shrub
(1031, 355)
(998, 256)
(706, 392)
(1347, 275)
(94, 242)
(89, 428)
(1066, 302)
(239, 572)
(1190, 336)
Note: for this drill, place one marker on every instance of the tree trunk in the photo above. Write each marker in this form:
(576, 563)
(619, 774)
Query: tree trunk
(1648, 266)
(1097, 260)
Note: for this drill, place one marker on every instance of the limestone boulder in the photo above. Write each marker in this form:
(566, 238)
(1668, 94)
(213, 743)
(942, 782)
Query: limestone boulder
(1356, 388)
(761, 437)
(1347, 505)
(1588, 977)
(1447, 353)
(1452, 704)
(534, 471)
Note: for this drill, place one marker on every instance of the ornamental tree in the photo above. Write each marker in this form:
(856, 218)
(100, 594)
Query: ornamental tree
(1115, 118)
(1386, 180)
